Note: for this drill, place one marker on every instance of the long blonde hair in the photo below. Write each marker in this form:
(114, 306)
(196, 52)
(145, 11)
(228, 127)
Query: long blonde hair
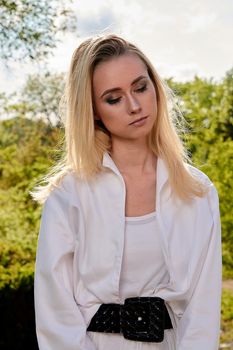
(86, 140)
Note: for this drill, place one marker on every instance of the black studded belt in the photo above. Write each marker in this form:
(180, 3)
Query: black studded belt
(140, 318)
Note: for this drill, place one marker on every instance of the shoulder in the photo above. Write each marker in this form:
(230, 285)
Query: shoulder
(211, 192)
(199, 175)
(65, 191)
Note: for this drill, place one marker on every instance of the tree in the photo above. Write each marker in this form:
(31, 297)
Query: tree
(29, 28)
(38, 99)
(208, 110)
(42, 94)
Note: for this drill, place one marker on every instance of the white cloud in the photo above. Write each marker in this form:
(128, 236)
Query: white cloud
(200, 22)
(182, 38)
(91, 25)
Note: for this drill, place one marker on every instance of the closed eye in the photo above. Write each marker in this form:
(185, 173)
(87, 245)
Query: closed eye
(113, 101)
(142, 89)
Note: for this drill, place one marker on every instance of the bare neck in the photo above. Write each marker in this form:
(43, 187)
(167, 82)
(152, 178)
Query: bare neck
(133, 157)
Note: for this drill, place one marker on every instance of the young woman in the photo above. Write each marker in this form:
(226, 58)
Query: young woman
(129, 251)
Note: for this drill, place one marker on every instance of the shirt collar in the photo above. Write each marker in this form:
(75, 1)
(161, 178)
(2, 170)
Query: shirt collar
(162, 172)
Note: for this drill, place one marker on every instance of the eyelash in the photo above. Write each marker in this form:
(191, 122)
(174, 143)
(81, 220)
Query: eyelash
(117, 100)
(142, 89)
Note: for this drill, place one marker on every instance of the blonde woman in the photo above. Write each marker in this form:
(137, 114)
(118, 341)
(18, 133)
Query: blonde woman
(129, 250)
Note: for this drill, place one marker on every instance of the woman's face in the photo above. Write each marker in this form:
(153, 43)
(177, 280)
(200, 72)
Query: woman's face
(124, 97)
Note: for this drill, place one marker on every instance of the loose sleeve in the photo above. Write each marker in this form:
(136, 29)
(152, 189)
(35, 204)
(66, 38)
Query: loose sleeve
(199, 326)
(59, 322)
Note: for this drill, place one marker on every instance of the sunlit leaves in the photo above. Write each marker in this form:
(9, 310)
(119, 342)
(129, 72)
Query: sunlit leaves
(208, 109)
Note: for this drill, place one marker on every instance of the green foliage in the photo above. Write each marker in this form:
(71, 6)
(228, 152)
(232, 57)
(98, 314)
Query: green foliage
(16, 266)
(44, 103)
(219, 168)
(227, 316)
(29, 28)
(25, 153)
(208, 110)
(34, 101)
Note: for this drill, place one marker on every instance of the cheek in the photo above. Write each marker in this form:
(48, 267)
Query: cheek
(108, 113)
(110, 117)
(152, 101)
(154, 97)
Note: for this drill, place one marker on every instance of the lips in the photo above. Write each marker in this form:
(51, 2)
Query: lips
(137, 120)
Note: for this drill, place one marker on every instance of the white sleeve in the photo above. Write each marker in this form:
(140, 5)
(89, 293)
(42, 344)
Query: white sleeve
(199, 326)
(59, 322)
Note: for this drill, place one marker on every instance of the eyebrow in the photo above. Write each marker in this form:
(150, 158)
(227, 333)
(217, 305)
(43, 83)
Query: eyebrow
(118, 88)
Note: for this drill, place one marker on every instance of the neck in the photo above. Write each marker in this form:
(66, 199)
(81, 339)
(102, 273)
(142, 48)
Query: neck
(133, 157)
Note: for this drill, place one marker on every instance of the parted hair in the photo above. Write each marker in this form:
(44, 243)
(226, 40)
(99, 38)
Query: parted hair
(86, 139)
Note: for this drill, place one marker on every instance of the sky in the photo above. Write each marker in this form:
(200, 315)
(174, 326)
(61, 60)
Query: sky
(182, 38)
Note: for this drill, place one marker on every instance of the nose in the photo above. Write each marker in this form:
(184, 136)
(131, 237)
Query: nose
(134, 106)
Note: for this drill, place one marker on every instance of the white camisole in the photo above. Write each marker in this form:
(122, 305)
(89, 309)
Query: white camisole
(139, 277)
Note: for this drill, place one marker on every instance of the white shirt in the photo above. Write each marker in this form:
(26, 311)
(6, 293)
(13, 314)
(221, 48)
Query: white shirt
(80, 251)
